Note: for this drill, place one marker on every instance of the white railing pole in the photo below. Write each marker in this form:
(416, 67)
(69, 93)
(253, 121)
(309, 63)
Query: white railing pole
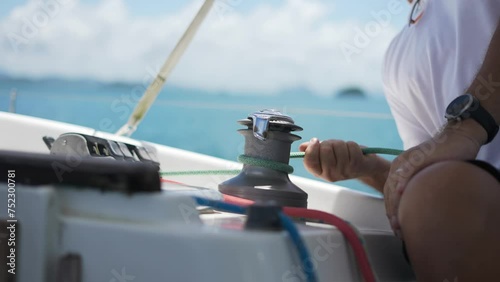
(154, 88)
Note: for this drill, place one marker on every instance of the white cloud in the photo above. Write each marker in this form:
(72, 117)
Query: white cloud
(264, 50)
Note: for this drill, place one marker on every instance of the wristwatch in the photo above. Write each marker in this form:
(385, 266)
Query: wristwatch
(467, 106)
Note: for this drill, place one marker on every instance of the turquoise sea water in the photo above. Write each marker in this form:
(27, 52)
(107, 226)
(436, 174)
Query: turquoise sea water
(201, 121)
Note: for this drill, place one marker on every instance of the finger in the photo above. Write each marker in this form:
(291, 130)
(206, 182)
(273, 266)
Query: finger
(311, 158)
(356, 158)
(354, 149)
(341, 153)
(415, 161)
(403, 169)
(303, 146)
(389, 188)
(403, 175)
(398, 176)
(328, 161)
(356, 152)
(396, 197)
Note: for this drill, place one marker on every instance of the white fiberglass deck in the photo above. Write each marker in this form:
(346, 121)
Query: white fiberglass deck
(161, 243)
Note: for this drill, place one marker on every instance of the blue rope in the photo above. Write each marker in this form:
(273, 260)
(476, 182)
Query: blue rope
(305, 258)
(218, 205)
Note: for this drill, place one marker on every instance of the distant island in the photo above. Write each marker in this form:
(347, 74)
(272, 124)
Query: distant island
(352, 91)
(116, 88)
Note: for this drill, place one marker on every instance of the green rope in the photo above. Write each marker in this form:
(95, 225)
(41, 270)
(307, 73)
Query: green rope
(296, 155)
(201, 172)
(366, 151)
(383, 151)
(244, 159)
(270, 164)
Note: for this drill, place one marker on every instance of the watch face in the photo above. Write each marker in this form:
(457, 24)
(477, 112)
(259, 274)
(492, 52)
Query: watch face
(458, 106)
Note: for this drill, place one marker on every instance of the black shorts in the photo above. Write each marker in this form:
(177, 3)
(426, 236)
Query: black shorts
(488, 167)
(482, 164)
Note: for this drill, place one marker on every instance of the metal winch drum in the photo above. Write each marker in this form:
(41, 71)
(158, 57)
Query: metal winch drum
(268, 138)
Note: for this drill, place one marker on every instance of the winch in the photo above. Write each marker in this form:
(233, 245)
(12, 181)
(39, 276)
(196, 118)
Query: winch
(264, 177)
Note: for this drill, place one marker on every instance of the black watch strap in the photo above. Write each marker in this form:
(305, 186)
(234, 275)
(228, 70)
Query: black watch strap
(479, 114)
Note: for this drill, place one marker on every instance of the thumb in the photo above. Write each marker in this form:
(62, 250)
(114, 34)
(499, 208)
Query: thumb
(303, 146)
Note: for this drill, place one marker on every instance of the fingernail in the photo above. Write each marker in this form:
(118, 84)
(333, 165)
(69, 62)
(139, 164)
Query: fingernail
(314, 140)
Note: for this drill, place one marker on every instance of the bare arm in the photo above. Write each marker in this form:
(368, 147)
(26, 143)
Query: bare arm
(485, 87)
(458, 141)
(378, 176)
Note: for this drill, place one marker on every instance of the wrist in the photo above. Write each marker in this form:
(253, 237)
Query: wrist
(468, 108)
(377, 173)
(468, 128)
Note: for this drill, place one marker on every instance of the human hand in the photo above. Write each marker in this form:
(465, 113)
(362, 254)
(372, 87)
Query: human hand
(457, 142)
(335, 160)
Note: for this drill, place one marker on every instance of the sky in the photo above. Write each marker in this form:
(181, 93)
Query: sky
(244, 46)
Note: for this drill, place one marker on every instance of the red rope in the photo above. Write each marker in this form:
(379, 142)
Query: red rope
(347, 230)
(351, 235)
(237, 200)
(171, 181)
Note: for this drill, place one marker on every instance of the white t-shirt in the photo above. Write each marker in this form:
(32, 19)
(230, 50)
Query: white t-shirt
(433, 61)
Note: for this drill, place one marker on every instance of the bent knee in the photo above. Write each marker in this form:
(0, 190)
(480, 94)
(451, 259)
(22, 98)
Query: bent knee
(449, 216)
(445, 185)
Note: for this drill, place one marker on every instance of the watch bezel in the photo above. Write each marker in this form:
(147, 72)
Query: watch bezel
(453, 112)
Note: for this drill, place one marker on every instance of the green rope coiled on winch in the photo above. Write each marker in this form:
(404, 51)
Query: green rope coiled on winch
(201, 172)
(283, 167)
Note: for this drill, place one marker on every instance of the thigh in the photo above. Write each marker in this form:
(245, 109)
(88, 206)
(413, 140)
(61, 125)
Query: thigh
(450, 219)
